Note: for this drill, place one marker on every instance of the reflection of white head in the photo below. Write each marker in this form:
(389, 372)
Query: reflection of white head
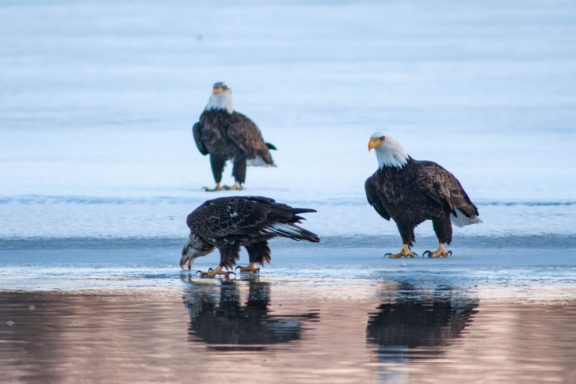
(221, 98)
(389, 152)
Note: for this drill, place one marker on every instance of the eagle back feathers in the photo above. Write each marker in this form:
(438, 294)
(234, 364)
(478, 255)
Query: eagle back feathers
(229, 135)
(247, 136)
(443, 187)
(418, 191)
(246, 219)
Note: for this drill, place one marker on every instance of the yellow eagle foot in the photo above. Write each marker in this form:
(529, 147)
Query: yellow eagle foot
(234, 187)
(251, 268)
(216, 188)
(212, 273)
(440, 252)
(404, 252)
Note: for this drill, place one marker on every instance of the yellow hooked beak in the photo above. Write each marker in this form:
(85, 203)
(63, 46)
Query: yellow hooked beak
(373, 143)
(217, 90)
(183, 261)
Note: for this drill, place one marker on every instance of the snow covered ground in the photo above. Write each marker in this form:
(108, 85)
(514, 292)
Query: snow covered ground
(97, 100)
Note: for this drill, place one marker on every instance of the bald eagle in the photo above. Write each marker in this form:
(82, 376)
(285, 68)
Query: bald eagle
(225, 135)
(416, 318)
(220, 316)
(228, 223)
(411, 191)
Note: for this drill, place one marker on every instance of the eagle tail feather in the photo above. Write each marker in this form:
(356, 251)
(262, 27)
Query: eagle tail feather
(303, 210)
(296, 211)
(260, 161)
(294, 232)
(460, 219)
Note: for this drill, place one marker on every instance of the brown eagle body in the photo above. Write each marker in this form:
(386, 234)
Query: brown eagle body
(411, 191)
(228, 223)
(225, 135)
(419, 191)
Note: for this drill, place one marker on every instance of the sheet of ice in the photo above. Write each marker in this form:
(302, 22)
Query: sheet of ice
(497, 272)
(97, 100)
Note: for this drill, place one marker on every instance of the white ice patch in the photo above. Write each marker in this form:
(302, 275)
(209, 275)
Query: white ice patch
(234, 214)
(460, 220)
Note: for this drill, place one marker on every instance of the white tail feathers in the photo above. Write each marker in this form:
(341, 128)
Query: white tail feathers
(292, 231)
(287, 229)
(460, 219)
(258, 162)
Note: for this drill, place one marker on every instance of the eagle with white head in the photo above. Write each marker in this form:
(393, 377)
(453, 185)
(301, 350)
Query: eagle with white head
(225, 134)
(412, 191)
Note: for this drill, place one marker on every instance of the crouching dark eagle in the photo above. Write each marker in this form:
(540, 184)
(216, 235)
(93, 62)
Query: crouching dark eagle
(228, 223)
(225, 135)
(411, 191)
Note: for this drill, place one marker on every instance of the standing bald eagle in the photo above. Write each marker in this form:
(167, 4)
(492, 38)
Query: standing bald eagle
(228, 223)
(411, 191)
(225, 134)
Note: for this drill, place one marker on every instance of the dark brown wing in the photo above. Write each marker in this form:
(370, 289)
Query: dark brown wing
(373, 191)
(247, 217)
(246, 135)
(443, 187)
(197, 133)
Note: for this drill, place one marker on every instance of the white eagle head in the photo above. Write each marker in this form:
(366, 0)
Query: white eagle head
(389, 152)
(221, 98)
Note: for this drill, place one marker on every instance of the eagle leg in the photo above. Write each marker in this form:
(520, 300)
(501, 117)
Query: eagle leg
(212, 273)
(252, 268)
(440, 252)
(235, 187)
(404, 252)
(216, 188)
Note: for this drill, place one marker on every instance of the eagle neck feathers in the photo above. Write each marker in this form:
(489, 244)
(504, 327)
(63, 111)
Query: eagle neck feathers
(220, 102)
(392, 158)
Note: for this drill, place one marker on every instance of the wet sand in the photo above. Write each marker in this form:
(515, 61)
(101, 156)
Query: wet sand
(289, 330)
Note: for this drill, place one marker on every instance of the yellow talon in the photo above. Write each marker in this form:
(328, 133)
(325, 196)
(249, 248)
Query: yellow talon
(235, 187)
(440, 252)
(212, 273)
(216, 188)
(404, 252)
(252, 268)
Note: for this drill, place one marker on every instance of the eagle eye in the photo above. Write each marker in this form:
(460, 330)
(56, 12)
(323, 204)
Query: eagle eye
(382, 138)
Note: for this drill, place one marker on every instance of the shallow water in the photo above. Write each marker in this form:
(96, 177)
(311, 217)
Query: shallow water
(285, 331)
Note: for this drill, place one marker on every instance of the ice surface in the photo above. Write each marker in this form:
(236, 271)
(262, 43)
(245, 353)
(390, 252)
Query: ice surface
(496, 271)
(97, 100)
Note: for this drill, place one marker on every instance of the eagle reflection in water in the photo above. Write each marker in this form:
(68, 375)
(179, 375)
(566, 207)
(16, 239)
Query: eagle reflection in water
(219, 317)
(413, 323)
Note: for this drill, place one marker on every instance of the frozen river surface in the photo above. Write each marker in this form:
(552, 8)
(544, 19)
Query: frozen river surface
(98, 172)
(97, 101)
